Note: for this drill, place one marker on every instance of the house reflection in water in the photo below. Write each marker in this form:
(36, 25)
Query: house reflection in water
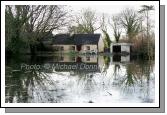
(83, 63)
(91, 63)
(68, 58)
(120, 59)
(117, 82)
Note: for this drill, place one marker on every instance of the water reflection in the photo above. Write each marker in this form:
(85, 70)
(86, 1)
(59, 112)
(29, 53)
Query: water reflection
(79, 79)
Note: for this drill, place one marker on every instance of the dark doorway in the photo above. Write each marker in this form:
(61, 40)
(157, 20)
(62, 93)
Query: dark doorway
(116, 58)
(78, 47)
(116, 49)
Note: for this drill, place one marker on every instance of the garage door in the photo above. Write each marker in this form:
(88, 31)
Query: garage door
(116, 49)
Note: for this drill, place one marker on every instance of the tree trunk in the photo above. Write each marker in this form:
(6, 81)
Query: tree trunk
(148, 41)
(33, 49)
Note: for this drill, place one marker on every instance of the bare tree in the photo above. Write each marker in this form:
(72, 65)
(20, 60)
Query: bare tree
(34, 22)
(87, 22)
(45, 20)
(116, 27)
(130, 21)
(76, 29)
(104, 22)
(15, 18)
(106, 37)
(145, 10)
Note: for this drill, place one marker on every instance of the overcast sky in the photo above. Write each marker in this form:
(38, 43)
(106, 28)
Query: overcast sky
(109, 10)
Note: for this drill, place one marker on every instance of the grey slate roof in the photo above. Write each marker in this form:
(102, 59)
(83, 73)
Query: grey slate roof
(76, 39)
(62, 39)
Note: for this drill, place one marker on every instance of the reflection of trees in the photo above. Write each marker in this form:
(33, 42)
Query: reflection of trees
(87, 84)
(137, 76)
(38, 85)
(86, 80)
(30, 85)
(147, 68)
(116, 70)
(106, 64)
(129, 79)
(14, 86)
(13, 81)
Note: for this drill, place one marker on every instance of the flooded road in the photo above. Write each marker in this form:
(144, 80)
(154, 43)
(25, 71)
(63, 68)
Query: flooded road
(79, 79)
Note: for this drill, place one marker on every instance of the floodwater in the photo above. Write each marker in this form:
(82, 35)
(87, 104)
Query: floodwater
(79, 79)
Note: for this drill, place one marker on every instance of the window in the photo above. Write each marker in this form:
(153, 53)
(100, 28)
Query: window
(87, 58)
(88, 47)
(61, 48)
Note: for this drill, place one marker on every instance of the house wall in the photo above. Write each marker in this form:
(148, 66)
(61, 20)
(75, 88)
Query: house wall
(124, 59)
(89, 59)
(100, 45)
(66, 48)
(125, 48)
(92, 48)
(83, 48)
(67, 58)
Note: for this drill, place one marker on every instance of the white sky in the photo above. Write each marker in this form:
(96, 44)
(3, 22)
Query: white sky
(108, 10)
